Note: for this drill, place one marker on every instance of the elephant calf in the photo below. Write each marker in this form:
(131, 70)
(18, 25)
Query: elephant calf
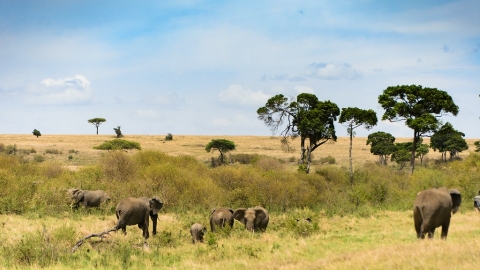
(254, 219)
(88, 198)
(220, 217)
(135, 211)
(197, 231)
(433, 208)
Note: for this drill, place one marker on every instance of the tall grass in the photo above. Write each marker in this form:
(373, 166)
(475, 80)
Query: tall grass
(190, 189)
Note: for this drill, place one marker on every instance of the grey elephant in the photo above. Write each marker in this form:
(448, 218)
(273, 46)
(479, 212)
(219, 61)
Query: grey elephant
(476, 202)
(197, 231)
(220, 217)
(88, 198)
(433, 208)
(136, 211)
(254, 219)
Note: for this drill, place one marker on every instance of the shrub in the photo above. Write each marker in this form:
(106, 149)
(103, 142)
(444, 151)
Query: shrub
(53, 151)
(169, 137)
(39, 158)
(118, 166)
(328, 159)
(118, 144)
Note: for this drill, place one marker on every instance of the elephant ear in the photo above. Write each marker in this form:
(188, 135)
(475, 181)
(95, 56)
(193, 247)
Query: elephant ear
(456, 199)
(155, 205)
(78, 195)
(260, 214)
(239, 214)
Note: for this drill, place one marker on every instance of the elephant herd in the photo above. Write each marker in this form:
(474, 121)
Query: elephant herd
(137, 211)
(253, 218)
(432, 208)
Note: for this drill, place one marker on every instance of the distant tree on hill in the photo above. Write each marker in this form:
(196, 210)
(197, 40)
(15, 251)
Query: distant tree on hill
(96, 122)
(420, 108)
(222, 145)
(118, 132)
(36, 133)
(382, 145)
(353, 118)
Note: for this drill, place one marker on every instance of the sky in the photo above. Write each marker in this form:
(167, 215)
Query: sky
(192, 67)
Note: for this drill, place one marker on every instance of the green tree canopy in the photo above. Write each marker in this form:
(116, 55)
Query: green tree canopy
(306, 117)
(222, 145)
(96, 122)
(477, 145)
(420, 107)
(448, 139)
(118, 144)
(382, 145)
(37, 133)
(353, 118)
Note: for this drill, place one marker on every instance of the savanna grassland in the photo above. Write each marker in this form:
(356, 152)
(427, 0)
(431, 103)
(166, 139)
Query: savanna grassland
(365, 226)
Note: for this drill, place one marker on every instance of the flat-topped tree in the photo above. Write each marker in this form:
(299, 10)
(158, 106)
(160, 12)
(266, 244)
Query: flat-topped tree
(420, 107)
(96, 122)
(222, 145)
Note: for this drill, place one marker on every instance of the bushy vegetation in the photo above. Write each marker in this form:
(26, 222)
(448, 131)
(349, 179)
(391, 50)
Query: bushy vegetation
(190, 189)
(118, 144)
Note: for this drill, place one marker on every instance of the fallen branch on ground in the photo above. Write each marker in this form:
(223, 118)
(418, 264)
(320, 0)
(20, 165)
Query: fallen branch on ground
(101, 234)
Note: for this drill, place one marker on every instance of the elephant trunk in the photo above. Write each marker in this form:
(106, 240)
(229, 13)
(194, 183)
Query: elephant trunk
(154, 223)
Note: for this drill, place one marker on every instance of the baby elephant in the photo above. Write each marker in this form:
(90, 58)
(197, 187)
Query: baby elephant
(135, 211)
(220, 217)
(88, 198)
(197, 231)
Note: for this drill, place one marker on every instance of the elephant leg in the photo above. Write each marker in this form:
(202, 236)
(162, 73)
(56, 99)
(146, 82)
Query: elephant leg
(212, 226)
(445, 230)
(154, 224)
(431, 233)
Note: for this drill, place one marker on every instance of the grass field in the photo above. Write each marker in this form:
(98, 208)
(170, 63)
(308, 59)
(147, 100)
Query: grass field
(379, 239)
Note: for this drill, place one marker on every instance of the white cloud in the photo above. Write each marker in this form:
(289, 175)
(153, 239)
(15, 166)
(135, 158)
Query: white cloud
(334, 71)
(66, 91)
(237, 94)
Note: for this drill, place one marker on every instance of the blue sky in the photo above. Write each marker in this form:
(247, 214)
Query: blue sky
(205, 67)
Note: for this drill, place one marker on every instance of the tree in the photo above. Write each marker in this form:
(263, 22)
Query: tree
(448, 139)
(383, 145)
(419, 107)
(118, 132)
(222, 145)
(354, 118)
(96, 122)
(307, 118)
(402, 153)
(422, 150)
(477, 145)
(36, 133)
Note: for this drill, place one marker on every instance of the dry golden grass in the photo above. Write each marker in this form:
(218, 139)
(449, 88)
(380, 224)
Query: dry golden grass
(195, 146)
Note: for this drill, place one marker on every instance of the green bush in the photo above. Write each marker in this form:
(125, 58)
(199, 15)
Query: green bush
(39, 158)
(53, 151)
(328, 159)
(118, 144)
(169, 137)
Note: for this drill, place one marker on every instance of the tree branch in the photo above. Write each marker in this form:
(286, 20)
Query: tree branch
(100, 234)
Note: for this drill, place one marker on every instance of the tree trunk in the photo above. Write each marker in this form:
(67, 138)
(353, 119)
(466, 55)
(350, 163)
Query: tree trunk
(416, 138)
(350, 157)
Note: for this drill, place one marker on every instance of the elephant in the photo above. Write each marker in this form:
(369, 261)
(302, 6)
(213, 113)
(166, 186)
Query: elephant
(133, 211)
(88, 198)
(220, 217)
(433, 208)
(197, 231)
(476, 202)
(254, 219)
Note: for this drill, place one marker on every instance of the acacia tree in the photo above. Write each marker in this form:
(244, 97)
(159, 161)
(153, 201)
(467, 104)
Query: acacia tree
(420, 107)
(382, 145)
(306, 117)
(36, 133)
(353, 118)
(222, 145)
(96, 122)
(448, 139)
